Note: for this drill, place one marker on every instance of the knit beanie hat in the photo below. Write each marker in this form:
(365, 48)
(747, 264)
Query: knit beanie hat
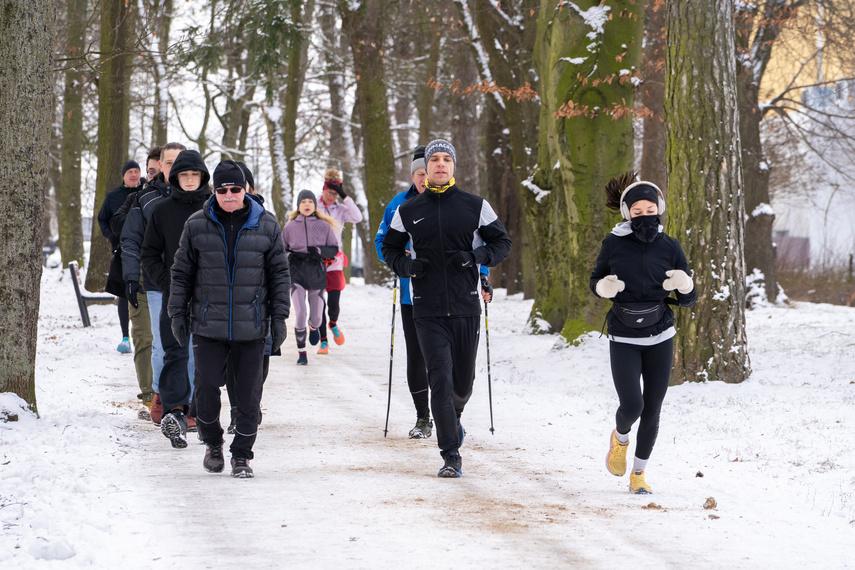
(440, 145)
(418, 159)
(228, 173)
(307, 195)
(247, 173)
(128, 165)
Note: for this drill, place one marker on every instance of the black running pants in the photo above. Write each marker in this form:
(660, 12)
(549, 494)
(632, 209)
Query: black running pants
(213, 358)
(333, 307)
(641, 399)
(416, 371)
(449, 346)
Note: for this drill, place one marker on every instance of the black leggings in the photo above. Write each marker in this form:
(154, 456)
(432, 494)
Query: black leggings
(333, 307)
(416, 369)
(124, 316)
(653, 365)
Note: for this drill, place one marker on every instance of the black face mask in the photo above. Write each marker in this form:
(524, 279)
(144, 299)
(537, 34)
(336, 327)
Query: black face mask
(645, 228)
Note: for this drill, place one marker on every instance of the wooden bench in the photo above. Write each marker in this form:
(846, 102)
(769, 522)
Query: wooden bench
(83, 301)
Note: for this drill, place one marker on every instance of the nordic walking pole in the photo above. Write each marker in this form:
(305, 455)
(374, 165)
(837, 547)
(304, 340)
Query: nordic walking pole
(391, 355)
(489, 378)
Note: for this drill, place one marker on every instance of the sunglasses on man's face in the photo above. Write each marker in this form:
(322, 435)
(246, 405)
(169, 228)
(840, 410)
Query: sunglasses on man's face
(232, 189)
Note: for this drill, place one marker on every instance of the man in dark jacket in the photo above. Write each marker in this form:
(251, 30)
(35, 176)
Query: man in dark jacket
(133, 233)
(451, 233)
(189, 181)
(230, 302)
(114, 200)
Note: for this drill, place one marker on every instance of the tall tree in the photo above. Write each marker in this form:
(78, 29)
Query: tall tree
(363, 23)
(502, 36)
(113, 116)
(26, 49)
(652, 95)
(705, 202)
(68, 191)
(756, 34)
(160, 14)
(585, 55)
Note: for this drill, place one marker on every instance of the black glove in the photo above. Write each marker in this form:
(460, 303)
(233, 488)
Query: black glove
(416, 268)
(280, 333)
(133, 288)
(462, 260)
(338, 188)
(485, 286)
(179, 330)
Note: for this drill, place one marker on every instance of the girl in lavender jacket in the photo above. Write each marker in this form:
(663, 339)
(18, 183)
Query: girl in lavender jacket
(310, 237)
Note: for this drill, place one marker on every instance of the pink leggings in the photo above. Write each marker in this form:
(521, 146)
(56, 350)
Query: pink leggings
(298, 305)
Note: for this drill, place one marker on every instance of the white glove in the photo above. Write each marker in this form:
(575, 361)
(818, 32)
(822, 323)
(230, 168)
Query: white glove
(679, 280)
(609, 286)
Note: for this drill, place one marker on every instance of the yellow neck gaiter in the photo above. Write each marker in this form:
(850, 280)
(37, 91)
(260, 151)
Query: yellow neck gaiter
(439, 189)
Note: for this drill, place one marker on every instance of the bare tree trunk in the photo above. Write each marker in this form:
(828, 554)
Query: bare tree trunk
(363, 25)
(159, 128)
(68, 192)
(759, 245)
(26, 49)
(652, 95)
(113, 108)
(705, 201)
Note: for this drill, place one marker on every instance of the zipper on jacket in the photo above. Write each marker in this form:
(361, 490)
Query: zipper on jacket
(442, 250)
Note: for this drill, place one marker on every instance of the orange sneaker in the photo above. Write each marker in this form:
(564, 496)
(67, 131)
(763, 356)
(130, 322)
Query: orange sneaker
(338, 336)
(324, 349)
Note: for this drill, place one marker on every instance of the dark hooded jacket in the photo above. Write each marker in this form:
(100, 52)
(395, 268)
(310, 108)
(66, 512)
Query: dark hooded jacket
(133, 229)
(231, 292)
(164, 228)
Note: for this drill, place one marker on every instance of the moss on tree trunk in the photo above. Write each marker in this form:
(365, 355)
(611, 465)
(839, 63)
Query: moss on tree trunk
(705, 202)
(587, 72)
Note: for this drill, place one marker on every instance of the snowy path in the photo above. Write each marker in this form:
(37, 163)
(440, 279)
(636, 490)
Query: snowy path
(90, 485)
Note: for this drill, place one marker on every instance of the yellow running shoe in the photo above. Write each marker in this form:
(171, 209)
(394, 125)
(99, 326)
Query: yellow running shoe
(616, 459)
(637, 484)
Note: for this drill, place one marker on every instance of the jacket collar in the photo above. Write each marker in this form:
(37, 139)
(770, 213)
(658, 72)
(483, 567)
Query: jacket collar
(255, 211)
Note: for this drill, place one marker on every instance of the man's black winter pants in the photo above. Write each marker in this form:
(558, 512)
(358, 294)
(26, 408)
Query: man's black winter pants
(449, 346)
(212, 359)
(416, 372)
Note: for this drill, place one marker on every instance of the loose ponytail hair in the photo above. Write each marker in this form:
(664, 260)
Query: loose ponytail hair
(615, 187)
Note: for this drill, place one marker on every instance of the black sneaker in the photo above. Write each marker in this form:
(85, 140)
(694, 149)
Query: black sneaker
(453, 465)
(174, 427)
(314, 336)
(303, 359)
(214, 462)
(422, 429)
(241, 468)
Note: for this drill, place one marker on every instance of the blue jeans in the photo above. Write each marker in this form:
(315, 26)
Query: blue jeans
(155, 300)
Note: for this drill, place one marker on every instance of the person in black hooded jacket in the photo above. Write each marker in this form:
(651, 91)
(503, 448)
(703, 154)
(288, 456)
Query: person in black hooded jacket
(637, 268)
(230, 286)
(451, 233)
(189, 181)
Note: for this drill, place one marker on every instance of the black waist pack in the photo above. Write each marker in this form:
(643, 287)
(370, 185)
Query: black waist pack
(639, 315)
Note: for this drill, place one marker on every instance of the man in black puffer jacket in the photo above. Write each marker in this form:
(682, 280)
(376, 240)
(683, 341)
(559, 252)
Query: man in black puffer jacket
(230, 286)
(189, 181)
(451, 233)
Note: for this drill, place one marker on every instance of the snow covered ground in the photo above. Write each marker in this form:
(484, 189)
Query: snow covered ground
(88, 484)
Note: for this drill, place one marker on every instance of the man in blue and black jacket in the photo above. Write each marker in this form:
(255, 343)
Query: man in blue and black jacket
(450, 234)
